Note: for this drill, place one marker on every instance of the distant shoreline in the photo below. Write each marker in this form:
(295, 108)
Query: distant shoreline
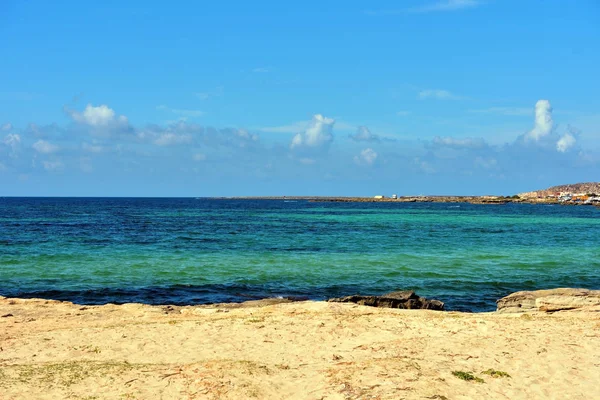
(413, 199)
(355, 199)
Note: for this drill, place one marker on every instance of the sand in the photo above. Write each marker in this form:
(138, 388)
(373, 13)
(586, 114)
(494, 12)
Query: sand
(303, 350)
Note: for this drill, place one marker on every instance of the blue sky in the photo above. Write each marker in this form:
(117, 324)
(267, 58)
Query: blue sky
(149, 98)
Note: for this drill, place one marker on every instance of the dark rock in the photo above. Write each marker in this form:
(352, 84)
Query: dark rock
(407, 300)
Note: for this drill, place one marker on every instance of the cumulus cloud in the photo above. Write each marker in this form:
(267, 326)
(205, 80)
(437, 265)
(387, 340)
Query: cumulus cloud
(182, 133)
(169, 139)
(6, 127)
(319, 134)
(13, 141)
(458, 143)
(545, 134)
(245, 136)
(97, 116)
(291, 128)
(45, 147)
(565, 142)
(543, 121)
(234, 152)
(437, 94)
(367, 156)
(364, 134)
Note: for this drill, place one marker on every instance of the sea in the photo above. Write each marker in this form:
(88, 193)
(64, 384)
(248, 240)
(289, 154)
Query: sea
(185, 251)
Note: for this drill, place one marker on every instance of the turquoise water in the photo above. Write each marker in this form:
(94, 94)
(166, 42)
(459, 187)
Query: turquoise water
(189, 251)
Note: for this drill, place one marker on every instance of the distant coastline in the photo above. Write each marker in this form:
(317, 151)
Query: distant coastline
(424, 199)
(587, 193)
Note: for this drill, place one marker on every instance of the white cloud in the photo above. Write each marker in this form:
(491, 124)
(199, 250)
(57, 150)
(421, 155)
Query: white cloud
(364, 134)
(294, 127)
(45, 147)
(6, 127)
(318, 134)
(181, 112)
(245, 135)
(458, 143)
(99, 116)
(543, 121)
(438, 94)
(544, 132)
(510, 111)
(182, 133)
(366, 157)
(13, 141)
(168, 139)
(199, 157)
(53, 165)
(565, 142)
(300, 126)
(446, 5)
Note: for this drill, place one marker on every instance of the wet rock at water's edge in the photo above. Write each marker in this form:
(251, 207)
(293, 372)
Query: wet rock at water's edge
(402, 299)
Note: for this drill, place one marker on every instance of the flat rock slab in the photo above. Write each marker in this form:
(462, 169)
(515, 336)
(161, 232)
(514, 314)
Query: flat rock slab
(402, 299)
(550, 300)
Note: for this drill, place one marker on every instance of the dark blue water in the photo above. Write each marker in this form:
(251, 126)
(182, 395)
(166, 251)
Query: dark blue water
(192, 251)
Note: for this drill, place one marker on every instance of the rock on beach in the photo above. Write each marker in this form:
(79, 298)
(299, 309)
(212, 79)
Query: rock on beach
(407, 299)
(550, 300)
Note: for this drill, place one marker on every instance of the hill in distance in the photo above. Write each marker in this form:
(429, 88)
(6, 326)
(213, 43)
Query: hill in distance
(575, 188)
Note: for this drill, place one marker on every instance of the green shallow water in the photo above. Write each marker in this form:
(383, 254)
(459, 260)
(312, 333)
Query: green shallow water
(188, 251)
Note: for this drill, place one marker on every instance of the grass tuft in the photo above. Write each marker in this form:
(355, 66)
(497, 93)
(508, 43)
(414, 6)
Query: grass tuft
(496, 374)
(467, 376)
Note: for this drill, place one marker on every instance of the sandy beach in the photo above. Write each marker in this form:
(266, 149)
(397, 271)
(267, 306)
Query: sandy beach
(301, 350)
